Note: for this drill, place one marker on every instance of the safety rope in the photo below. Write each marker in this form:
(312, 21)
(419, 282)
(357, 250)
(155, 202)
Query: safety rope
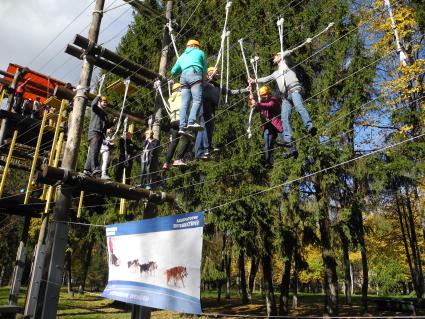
(254, 65)
(307, 41)
(248, 130)
(157, 85)
(169, 25)
(101, 81)
(223, 37)
(227, 63)
(127, 84)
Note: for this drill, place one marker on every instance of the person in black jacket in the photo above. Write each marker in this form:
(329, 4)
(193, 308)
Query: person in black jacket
(148, 160)
(99, 123)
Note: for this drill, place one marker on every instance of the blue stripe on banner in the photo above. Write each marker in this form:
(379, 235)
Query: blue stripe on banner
(174, 222)
(152, 296)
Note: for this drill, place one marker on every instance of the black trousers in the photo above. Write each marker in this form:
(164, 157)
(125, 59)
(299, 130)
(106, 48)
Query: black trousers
(92, 162)
(174, 128)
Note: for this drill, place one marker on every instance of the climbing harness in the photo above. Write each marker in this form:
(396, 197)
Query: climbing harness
(169, 25)
(248, 130)
(157, 86)
(127, 84)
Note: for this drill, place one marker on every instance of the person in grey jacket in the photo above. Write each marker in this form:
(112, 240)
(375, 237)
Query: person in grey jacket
(99, 123)
(290, 89)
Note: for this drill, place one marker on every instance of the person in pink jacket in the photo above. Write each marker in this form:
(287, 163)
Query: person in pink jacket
(269, 108)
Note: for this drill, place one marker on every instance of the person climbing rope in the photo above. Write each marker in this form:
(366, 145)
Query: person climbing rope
(105, 152)
(127, 149)
(175, 101)
(272, 126)
(192, 66)
(99, 123)
(211, 99)
(148, 160)
(290, 89)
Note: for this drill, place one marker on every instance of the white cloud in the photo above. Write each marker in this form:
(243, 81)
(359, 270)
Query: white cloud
(27, 26)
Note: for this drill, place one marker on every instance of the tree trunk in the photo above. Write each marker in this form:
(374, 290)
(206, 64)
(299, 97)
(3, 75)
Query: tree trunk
(222, 266)
(285, 283)
(415, 250)
(347, 269)
(252, 275)
(268, 274)
(297, 259)
(86, 264)
(228, 264)
(241, 268)
(329, 263)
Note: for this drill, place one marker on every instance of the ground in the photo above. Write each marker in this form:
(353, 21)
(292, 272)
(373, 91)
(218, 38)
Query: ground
(91, 306)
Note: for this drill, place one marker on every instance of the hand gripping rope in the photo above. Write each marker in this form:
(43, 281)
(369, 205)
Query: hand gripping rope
(248, 130)
(157, 86)
(127, 84)
(169, 25)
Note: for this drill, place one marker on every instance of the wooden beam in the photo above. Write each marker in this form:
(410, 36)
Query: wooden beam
(115, 58)
(67, 94)
(101, 186)
(111, 67)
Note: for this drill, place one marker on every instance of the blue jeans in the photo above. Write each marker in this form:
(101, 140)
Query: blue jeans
(191, 80)
(297, 101)
(269, 136)
(202, 145)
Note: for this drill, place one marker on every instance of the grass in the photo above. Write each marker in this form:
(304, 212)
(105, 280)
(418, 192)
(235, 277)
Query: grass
(92, 306)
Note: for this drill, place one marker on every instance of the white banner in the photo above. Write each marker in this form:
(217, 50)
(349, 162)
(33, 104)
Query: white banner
(156, 262)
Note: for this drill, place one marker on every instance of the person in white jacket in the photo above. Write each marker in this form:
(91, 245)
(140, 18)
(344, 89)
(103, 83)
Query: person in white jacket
(105, 152)
(290, 89)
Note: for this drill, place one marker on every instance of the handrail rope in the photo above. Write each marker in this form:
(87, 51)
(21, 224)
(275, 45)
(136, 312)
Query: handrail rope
(173, 41)
(127, 84)
(294, 67)
(158, 88)
(346, 34)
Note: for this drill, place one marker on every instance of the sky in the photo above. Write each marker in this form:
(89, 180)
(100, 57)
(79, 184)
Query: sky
(29, 26)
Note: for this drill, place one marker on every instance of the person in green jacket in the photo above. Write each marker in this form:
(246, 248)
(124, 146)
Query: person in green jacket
(192, 67)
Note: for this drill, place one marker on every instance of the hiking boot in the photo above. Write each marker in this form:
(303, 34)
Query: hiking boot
(195, 127)
(179, 163)
(205, 157)
(96, 173)
(87, 172)
(312, 131)
(104, 176)
(166, 166)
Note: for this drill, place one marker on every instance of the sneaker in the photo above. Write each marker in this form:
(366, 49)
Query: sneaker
(105, 177)
(205, 157)
(186, 133)
(166, 166)
(179, 163)
(312, 131)
(215, 149)
(195, 127)
(292, 152)
(87, 172)
(96, 173)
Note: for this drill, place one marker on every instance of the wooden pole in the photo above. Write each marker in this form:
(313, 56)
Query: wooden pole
(57, 239)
